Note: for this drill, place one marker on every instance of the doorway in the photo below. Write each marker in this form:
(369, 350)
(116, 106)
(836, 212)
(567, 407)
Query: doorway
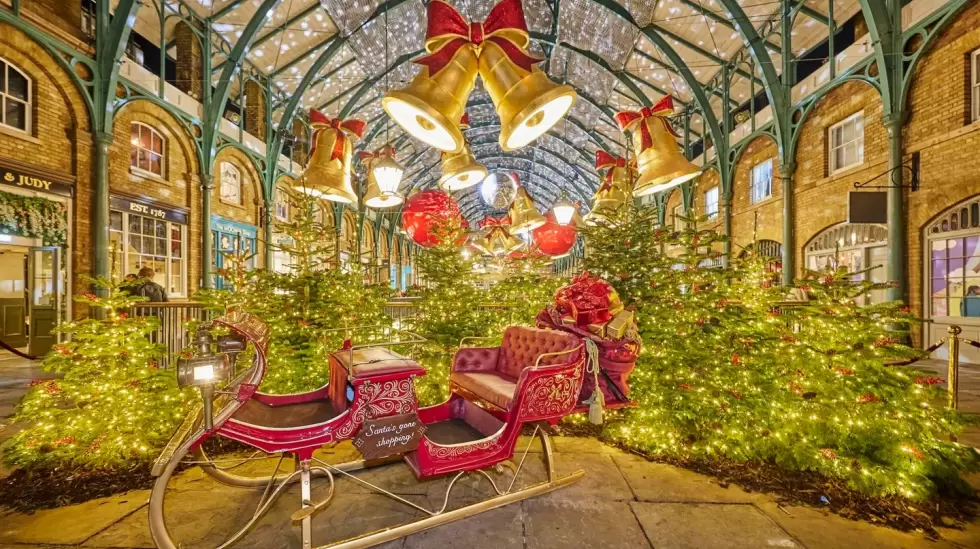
(31, 292)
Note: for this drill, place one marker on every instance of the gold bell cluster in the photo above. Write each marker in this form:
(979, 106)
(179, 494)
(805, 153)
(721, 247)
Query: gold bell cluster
(328, 170)
(528, 103)
(614, 190)
(460, 170)
(658, 157)
(495, 238)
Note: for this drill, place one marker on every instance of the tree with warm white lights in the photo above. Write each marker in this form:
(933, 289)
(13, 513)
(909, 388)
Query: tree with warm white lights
(111, 405)
(729, 370)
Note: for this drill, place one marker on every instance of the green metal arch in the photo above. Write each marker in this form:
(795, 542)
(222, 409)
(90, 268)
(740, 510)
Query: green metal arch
(183, 120)
(252, 157)
(879, 23)
(736, 152)
(939, 22)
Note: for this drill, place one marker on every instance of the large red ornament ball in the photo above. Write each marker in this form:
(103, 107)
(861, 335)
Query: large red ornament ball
(552, 238)
(424, 212)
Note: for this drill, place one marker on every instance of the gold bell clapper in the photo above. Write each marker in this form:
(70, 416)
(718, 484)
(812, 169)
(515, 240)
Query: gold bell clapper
(384, 174)
(658, 157)
(524, 217)
(327, 173)
(527, 102)
(461, 170)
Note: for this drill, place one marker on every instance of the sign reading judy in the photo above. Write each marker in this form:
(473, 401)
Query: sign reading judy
(390, 435)
(27, 181)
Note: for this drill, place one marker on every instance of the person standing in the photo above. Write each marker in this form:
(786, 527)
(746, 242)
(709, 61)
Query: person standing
(970, 306)
(150, 289)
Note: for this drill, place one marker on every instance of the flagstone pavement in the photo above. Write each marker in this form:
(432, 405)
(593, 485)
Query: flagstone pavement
(622, 502)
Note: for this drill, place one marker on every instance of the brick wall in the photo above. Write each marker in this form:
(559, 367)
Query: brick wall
(300, 143)
(705, 181)
(66, 15)
(180, 186)
(190, 64)
(764, 218)
(255, 109)
(59, 141)
(250, 208)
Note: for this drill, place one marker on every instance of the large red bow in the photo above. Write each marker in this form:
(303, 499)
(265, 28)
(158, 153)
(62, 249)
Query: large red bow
(605, 160)
(386, 150)
(661, 110)
(447, 32)
(321, 122)
(493, 222)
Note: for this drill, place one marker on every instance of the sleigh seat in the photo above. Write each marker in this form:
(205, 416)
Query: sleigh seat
(492, 374)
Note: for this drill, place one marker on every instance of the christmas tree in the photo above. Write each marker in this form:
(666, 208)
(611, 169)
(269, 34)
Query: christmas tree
(312, 307)
(111, 405)
(728, 370)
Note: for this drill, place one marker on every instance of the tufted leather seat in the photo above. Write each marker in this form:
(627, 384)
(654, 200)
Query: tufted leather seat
(491, 373)
(376, 361)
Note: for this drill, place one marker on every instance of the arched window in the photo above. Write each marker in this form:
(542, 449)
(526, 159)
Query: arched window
(769, 249)
(146, 153)
(231, 184)
(281, 200)
(953, 261)
(855, 247)
(16, 97)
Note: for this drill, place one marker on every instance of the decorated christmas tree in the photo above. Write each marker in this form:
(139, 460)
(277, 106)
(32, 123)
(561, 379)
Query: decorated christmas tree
(111, 404)
(729, 370)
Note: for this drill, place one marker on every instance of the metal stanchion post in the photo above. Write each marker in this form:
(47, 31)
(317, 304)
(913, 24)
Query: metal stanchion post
(953, 375)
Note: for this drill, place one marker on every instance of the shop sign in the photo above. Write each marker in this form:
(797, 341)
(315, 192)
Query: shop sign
(390, 435)
(17, 178)
(125, 205)
(223, 225)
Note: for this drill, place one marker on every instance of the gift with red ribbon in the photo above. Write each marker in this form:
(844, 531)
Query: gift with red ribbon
(344, 128)
(447, 32)
(587, 300)
(660, 111)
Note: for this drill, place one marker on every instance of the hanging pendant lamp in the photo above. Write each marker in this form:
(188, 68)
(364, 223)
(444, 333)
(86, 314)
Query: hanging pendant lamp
(384, 177)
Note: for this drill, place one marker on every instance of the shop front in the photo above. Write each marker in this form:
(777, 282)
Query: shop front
(147, 234)
(35, 229)
(232, 240)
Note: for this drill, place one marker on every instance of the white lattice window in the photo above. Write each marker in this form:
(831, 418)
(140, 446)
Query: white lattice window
(975, 85)
(146, 153)
(15, 98)
(760, 183)
(847, 142)
(231, 184)
(711, 202)
(680, 223)
(282, 204)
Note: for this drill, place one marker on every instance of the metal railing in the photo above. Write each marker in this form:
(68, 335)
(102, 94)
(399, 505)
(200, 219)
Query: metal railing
(172, 332)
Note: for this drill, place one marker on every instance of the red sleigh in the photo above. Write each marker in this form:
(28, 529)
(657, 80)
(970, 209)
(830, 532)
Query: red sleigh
(534, 377)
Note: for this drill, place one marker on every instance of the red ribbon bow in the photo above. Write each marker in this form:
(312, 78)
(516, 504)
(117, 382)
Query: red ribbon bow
(447, 32)
(464, 121)
(661, 110)
(386, 150)
(321, 122)
(605, 160)
(493, 225)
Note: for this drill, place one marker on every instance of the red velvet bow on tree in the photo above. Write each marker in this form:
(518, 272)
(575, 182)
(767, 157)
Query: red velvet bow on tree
(661, 110)
(493, 225)
(321, 122)
(447, 32)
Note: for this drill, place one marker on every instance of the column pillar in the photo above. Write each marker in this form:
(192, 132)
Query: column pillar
(207, 249)
(726, 227)
(789, 218)
(896, 209)
(100, 208)
(267, 215)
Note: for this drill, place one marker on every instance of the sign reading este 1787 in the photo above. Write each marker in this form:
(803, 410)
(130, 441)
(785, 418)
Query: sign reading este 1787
(390, 435)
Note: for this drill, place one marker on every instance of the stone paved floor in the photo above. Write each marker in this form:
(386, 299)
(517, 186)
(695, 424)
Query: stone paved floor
(623, 502)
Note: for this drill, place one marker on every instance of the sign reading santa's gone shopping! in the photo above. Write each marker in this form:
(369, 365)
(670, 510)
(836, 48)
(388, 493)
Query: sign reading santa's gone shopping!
(389, 436)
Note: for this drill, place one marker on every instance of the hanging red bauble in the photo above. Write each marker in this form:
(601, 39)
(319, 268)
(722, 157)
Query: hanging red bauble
(552, 238)
(425, 213)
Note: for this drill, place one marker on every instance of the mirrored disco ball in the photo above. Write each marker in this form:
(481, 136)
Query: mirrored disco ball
(498, 190)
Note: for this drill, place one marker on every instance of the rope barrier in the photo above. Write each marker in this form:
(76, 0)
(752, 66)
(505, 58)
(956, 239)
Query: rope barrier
(927, 351)
(16, 352)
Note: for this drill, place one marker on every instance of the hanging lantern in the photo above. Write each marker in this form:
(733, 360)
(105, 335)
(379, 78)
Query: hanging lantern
(524, 216)
(613, 193)
(384, 175)
(327, 172)
(659, 159)
(496, 238)
(564, 210)
(554, 239)
(461, 170)
(427, 213)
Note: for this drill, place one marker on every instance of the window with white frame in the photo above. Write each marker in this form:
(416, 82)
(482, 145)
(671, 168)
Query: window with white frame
(231, 184)
(711, 202)
(847, 142)
(680, 223)
(281, 200)
(146, 153)
(975, 86)
(138, 241)
(15, 96)
(760, 182)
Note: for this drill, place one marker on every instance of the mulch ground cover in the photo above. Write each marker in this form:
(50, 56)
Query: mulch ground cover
(820, 492)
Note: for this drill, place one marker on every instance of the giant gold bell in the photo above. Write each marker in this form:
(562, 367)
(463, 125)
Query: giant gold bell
(528, 103)
(429, 108)
(461, 170)
(612, 196)
(524, 217)
(326, 176)
(661, 165)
